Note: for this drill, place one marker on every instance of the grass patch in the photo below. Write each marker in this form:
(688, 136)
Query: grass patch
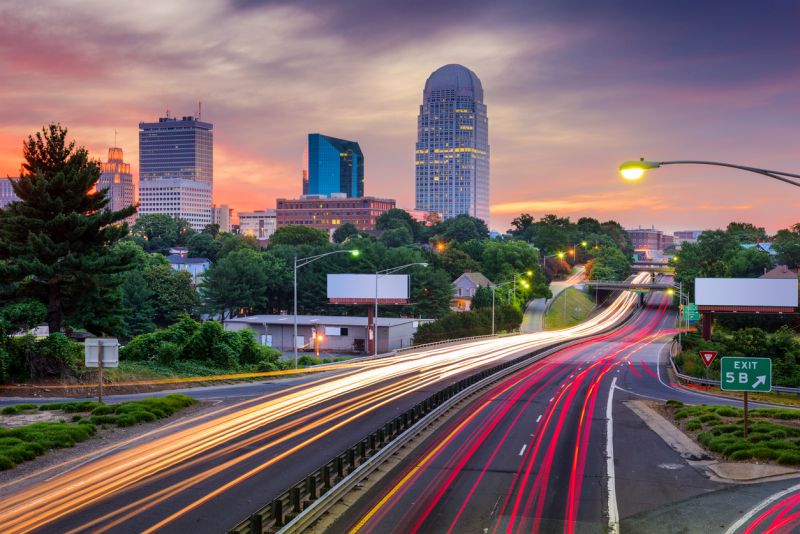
(579, 306)
(773, 435)
(17, 409)
(27, 442)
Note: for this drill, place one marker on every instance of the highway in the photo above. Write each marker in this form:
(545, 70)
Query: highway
(532, 454)
(205, 473)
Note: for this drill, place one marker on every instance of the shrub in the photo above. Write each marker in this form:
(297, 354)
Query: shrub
(694, 424)
(674, 403)
(789, 458)
(728, 411)
(709, 417)
(763, 453)
(743, 453)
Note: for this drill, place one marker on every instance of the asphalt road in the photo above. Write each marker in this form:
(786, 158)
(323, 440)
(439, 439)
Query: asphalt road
(205, 473)
(531, 455)
(533, 318)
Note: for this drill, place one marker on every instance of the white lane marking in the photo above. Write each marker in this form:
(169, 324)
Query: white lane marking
(522, 450)
(537, 420)
(613, 511)
(763, 504)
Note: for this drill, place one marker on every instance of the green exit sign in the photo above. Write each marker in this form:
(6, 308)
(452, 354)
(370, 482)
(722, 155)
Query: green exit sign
(745, 374)
(691, 313)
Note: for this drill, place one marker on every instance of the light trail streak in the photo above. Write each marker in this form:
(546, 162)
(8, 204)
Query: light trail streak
(374, 385)
(445, 476)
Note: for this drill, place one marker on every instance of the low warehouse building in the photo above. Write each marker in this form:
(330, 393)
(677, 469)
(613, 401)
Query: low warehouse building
(339, 334)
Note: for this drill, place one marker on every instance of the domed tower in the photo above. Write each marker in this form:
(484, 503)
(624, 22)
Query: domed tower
(452, 156)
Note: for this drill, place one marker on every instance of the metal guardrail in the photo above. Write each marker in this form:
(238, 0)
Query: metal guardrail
(708, 382)
(319, 490)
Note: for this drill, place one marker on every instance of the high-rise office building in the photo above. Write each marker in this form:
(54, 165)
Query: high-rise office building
(176, 169)
(117, 180)
(452, 156)
(334, 166)
(7, 194)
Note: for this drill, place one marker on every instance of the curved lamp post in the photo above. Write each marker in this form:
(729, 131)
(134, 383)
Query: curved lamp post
(633, 170)
(302, 262)
(378, 274)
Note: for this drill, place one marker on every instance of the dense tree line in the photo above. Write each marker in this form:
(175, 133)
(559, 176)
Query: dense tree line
(719, 253)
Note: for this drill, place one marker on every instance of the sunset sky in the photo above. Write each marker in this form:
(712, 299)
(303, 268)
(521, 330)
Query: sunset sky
(573, 88)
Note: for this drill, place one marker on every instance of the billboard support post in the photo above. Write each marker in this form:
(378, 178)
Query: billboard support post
(379, 274)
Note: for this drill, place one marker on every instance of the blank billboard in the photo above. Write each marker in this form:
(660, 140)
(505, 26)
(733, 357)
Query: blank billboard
(362, 286)
(773, 292)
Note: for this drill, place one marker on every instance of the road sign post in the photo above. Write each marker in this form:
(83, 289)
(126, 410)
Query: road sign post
(101, 352)
(745, 375)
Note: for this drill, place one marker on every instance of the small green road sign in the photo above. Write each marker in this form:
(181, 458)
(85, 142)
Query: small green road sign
(745, 374)
(690, 312)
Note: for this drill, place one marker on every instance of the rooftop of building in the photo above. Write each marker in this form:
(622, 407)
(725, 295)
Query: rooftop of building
(456, 77)
(325, 320)
(177, 258)
(781, 271)
(479, 279)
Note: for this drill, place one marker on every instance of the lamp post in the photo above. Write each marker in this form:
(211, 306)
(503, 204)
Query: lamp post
(378, 274)
(302, 262)
(681, 297)
(633, 170)
(493, 288)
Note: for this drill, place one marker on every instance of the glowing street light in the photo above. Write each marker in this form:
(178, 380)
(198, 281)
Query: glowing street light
(633, 170)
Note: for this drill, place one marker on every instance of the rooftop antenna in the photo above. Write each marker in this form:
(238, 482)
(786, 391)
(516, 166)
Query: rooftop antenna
(199, 109)
(167, 113)
(115, 138)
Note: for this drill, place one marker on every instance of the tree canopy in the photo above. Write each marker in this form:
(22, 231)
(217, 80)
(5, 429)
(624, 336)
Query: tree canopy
(55, 242)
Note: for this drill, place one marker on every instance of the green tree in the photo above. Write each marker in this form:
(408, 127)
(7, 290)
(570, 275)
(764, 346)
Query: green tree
(203, 245)
(746, 232)
(748, 263)
(345, 231)
(456, 262)
(398, 218)
(174, 294)
(609, 263)
(431, 291)
(212, 230)
(239, 280)
(138, 303)
(787, 245)
(158, 232)
(519, 225)
(298, 235)
(462, 228)
(54, 242)
(396, 237)
(230, 242)
(551, 239)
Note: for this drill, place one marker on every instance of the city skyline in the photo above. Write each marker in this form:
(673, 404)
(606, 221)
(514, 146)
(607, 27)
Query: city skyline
(571, 97)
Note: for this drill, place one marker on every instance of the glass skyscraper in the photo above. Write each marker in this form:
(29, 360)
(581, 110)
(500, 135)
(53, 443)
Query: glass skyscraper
(176, 148)
(176, 169)
(452, 156)
(334, 166)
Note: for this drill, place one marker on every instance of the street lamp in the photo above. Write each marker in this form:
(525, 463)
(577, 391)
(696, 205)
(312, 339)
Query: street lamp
(378, 274)
(681, 297)
(302, 262)
(633, 170)
(493, 288)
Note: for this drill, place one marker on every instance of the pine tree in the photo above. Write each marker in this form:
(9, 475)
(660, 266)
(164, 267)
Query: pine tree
(54, 241)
